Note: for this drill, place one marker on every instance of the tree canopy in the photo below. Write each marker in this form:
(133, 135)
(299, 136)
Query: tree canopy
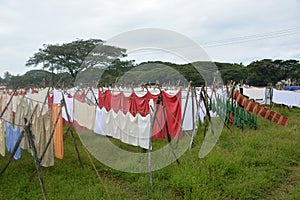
(269, 72)
(70, 57)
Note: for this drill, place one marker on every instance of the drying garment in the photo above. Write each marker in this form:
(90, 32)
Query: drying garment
(120, 102)
(132, 129)
(57, 96)
(2, 138)
(202, 111)
(118, 122)
(8, 114)
(132, 103)
(40, 98)
(123, 123)
(259, 109)
(169, 116)
(255, 93)
(129, 128)
(190, 112)
(41, 129)
(69, 105)
(99, 121)
(288, 98)
(58, 132)
(14, 102)
(139, 104)
(12, 137)
(48, 159)
(22, 109)
(144, 130)
(37, 128)
(84, 114)
(104, 99)
(108, 122)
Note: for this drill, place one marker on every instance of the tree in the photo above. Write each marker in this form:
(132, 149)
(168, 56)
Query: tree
(70, 57)
(265, 72)
(7, 77)
(292, 70)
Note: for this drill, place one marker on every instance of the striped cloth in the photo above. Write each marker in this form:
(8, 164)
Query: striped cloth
(258, 109)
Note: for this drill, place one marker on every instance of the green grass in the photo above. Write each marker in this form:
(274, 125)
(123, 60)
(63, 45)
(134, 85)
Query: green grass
(254, 164)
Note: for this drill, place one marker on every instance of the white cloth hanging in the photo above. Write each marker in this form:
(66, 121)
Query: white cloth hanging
(144, 127)
(99, 121)
(255, 93)
(84, 114)
(69, 105)
(288, 98)
(188, 117)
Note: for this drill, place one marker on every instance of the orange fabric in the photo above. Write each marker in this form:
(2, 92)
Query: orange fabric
(58, 133)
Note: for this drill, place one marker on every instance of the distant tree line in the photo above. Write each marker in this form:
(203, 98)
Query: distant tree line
(258, 73)
(64, 63)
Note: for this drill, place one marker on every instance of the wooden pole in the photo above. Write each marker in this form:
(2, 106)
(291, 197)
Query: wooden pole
(71, 130)
(36, 159)
(193, 118)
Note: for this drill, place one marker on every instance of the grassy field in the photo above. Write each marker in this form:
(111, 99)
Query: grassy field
(254, 164)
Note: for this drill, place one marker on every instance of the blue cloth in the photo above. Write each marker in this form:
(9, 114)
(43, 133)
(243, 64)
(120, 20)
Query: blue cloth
(12, 137)
(291, 87)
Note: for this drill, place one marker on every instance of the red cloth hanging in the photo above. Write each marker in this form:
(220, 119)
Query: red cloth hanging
(116, 102)
(135, 105)
(139, 105)
(104, 99)
(171, 120)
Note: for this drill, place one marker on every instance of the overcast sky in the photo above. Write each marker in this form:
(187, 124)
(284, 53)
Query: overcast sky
(228, 30)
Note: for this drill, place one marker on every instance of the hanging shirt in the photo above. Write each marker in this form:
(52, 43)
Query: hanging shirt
(12, 137)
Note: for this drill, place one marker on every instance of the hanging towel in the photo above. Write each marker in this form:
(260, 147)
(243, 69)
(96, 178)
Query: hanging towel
(84, 114)
(99, 121)
(58, 133)
(144, 128)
